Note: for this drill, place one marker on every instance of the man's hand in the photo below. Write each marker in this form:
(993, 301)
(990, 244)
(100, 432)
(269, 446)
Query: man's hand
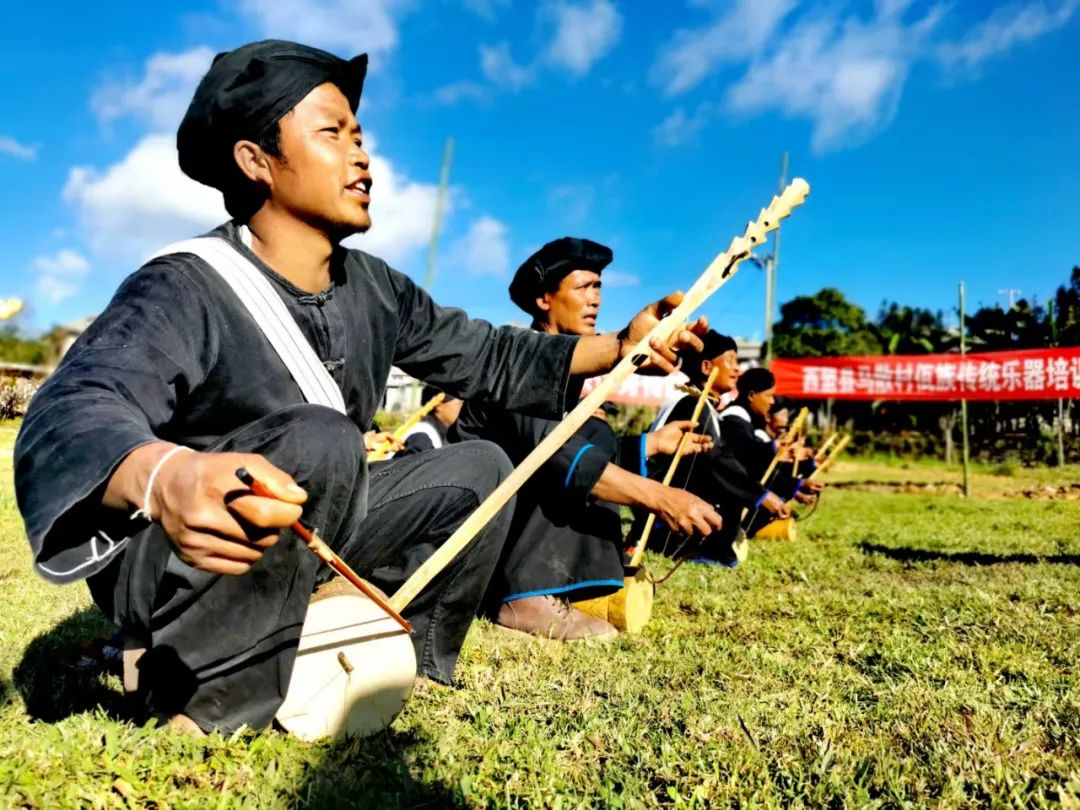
(663, 355)
(685, 513)
(665, 441)
(777, 505)
(813, 485)
(805, 498)
(215, 523)
(373, 440)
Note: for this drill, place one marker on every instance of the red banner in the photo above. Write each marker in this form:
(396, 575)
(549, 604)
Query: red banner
(1032, 374)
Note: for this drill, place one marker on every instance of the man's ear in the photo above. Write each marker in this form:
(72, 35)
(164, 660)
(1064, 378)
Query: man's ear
(253, 162)
(543, 303)
(706, 368)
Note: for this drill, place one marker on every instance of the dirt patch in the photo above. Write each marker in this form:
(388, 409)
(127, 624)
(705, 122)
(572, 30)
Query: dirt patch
(904, 487)
(1063, 492)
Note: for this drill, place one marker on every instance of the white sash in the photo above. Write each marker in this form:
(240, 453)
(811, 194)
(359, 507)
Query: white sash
(266, 308)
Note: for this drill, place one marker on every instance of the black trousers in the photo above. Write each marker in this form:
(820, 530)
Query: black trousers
(221, 648)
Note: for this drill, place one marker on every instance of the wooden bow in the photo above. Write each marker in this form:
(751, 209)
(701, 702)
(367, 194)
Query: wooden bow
(830, 458)
(380, 452)
(703, 396)
(825, 445)
(722, 268)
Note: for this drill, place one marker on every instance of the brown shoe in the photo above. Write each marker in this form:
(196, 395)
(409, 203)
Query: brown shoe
(552, 617)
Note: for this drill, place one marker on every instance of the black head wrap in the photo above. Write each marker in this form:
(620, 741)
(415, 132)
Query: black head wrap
(248, 90)
(542, 272)
(429, 392)
(713, 345)
(755, 380)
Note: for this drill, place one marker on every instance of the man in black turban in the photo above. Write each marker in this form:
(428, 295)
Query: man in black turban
(565, 540)
(719, 476)
(266, 345)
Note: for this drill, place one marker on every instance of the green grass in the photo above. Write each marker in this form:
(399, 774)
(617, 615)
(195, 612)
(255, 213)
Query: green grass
(909, 650)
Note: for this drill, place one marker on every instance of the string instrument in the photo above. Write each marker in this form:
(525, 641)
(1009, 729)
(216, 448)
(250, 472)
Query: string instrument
(630, 608)
(362, 691)
(383, 450)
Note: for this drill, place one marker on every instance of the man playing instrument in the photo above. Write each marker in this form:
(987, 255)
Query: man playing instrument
(744, 427)
(126, 462)
(718, 475)
(431, 432)
(565, 540)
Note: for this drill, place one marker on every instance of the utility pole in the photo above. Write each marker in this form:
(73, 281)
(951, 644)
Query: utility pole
(770, 270)
(440, 203)
(1012, 294)
(963, 402)
(1061, 402)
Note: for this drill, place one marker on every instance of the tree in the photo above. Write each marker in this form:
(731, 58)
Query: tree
(17, 349)
(911, 330)
(824, 325)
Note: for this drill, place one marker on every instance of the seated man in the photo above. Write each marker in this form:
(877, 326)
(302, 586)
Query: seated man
(565, 540)
(213, 356)
(744, 427)
(718, 475)
(430, 432)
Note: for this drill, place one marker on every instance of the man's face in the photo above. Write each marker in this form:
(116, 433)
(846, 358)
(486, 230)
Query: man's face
(323, 178)
(573, 307)
(778, 421)
(728, 363)
(762, 401)
(448, 411)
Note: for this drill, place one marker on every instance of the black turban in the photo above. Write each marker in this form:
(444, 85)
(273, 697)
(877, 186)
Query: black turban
(713, 345)
(248, 90)
(542, 272)
(755, 380)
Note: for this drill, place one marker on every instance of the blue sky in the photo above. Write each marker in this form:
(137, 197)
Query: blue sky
(940, 140)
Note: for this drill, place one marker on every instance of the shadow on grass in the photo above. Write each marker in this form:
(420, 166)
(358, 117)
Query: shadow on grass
(48, 680)
(375, 773)
(904, 554)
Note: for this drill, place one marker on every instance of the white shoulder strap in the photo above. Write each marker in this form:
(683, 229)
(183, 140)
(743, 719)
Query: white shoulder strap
(428, 430)
(267, 309)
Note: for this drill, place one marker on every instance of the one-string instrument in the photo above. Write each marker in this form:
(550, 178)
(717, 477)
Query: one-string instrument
(630, 608)
(819, 456)
(783, 528)
(349, 624)
(383, 450)
(830, 459)
(365, 709)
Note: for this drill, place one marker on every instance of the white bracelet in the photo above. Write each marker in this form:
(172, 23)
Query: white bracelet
(144, 512)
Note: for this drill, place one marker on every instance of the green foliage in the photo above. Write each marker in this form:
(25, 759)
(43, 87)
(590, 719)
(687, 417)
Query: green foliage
(17, 349)
(823, 325)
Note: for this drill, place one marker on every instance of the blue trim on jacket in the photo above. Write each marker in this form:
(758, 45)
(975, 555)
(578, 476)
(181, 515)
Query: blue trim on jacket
(643, 467)
(574, 463)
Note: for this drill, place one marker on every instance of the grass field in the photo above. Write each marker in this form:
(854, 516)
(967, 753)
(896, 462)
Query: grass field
(910, 650)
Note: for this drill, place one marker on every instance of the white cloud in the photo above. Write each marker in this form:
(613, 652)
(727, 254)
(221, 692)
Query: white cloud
(1006, 27)
(499, 67)
(10, 146)
(59, 275)
(738, 34)
(680, 128)
(348, 26)
(160, 96)
(464, 90)
(584, 33)
(573, 202)
(486, 9)
(614, 279)
(483, 250)
(844, 75)
(402, 213)
(142, 202)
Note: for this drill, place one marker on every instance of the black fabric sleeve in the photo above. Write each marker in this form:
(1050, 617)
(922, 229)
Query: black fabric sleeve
(520, 369)
(754, 454)
(415, 443)
(115, 390)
